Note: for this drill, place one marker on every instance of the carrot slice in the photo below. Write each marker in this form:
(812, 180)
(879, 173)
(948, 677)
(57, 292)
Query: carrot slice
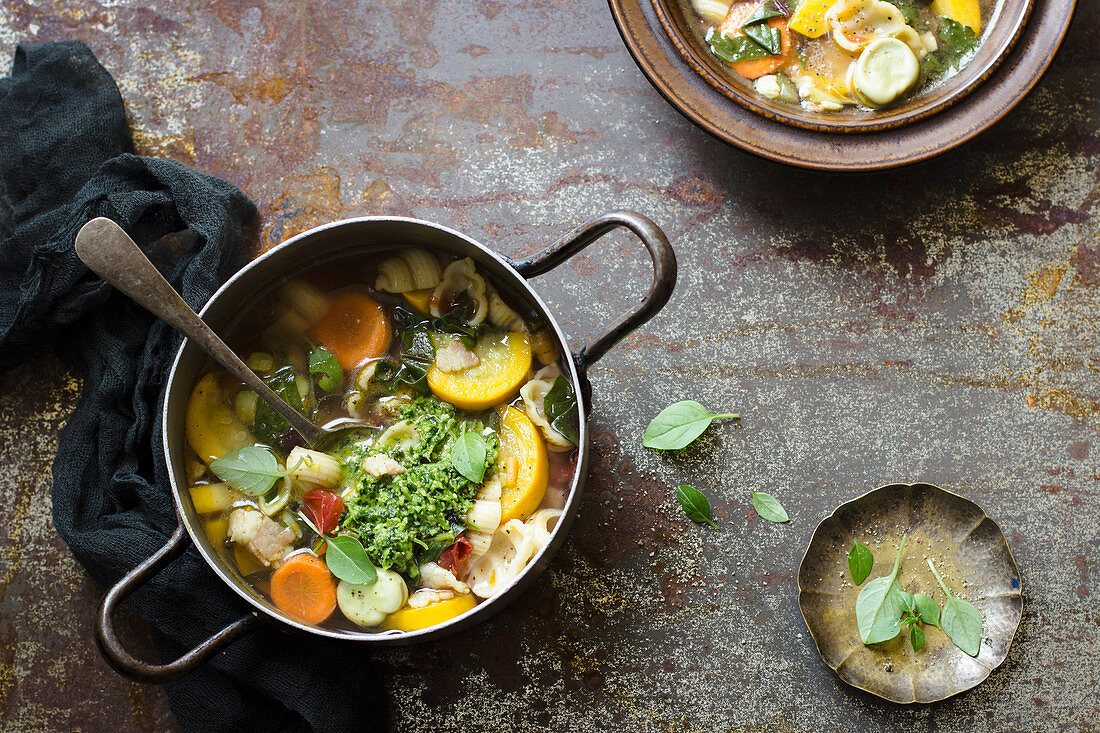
(303, 588)
(354, 329)
(738, 14)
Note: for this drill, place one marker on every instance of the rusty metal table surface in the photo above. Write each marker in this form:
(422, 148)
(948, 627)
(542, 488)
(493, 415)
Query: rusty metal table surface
(937, 323)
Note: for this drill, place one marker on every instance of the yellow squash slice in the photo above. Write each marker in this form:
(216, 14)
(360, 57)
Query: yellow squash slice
(967, 12)
(411, 619)
(521, 445)
(504, 361)
(213, 429)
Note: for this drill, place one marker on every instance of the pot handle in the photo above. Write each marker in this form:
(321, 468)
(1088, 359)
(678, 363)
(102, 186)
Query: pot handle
(664, 274)
(122, 661)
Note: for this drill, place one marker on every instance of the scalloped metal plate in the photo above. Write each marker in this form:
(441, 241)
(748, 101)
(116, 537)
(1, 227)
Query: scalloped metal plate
(969, 550)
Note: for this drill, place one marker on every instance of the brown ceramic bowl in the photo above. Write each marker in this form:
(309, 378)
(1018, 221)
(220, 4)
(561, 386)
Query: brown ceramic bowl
(1003, 29)
(1016, 51)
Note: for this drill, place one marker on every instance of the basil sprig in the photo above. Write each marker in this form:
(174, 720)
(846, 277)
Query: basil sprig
(961, 621)
(880, 604)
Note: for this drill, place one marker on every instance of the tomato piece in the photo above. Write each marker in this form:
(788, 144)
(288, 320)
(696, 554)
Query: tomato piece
(454, 558)
(324, 509)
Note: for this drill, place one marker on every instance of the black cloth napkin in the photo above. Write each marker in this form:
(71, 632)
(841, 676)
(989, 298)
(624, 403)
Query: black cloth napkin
(64, 160)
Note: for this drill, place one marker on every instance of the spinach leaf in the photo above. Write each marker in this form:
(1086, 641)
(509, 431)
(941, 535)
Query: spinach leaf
(347, 560)
(927, 609)
(695, 505)
(768, 507)
(764, 35)
(468, 454)
(456, 321)
(860, 562)
(738, 48)
(252, 469)
(765, 11)
(678, 425)
(560, 404)
(880, 604)
(961, 621)
(328, 370)
(908, 12)
(269, 425)
(957, 42)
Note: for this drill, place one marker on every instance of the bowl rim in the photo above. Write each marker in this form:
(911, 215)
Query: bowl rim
(724, 120)
(889, 119)
(484, 608)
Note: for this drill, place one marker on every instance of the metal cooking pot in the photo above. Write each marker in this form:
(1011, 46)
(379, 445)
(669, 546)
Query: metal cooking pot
(336, 240)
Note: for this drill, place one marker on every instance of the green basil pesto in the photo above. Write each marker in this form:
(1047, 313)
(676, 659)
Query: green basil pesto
(410, 518)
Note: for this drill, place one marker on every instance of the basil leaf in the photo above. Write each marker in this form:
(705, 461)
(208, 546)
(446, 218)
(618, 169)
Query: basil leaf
(325, 365)
(766, 36)
(768, 507)
(347, 560)
(732, 50)
(860, 562)
(961, 621)
(766, 11)
(695, 505)
(468, 455)
(560, 404)
(252, 469)
(927, 609)
(916, 637)
(879, 606)
(678, 425)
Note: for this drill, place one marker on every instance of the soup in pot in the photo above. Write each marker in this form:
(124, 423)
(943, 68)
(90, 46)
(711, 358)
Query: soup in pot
(450, 485)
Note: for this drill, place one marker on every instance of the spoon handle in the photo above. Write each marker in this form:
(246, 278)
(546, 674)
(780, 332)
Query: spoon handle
(109, 252)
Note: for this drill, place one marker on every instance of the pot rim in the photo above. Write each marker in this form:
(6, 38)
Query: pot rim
(485, 607)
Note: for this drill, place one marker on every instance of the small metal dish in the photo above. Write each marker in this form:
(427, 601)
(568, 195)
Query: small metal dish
(969, 550)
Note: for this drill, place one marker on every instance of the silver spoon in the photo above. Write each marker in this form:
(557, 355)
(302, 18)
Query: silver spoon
(109, 252)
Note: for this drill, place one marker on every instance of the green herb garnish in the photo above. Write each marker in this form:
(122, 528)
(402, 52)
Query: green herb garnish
(468, 456)
(252, 469)
(695, 505)
(961, 621)
(678, 425)
(560, 404)
(347, 560)
(768, 507)
(764, 35)
(323, 365)
(860, 562)
(738, 48)
(880, 604)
